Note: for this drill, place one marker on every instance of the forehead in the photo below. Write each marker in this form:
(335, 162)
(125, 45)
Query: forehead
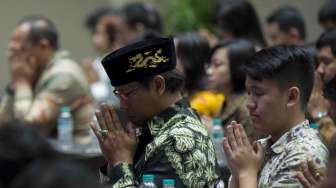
(220, 53)
(261, 84)
(110, 19)
(22, 29)
(273, 27)
(127, 86)
(325, 52)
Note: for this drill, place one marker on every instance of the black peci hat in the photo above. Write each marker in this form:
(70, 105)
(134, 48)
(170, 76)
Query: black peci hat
(140, 60)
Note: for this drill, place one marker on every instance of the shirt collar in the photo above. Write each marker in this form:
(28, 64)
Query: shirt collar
(280, 145)
(156, 123)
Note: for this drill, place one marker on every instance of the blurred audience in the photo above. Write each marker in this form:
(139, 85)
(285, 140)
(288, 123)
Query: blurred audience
(59, 174)
(193, 53)
(238, 19)
(326, 59)
(327, 15)
(226, 75)
(286, 26)
(140, 17)
(20, 145)
(106, 26)
(43, 79)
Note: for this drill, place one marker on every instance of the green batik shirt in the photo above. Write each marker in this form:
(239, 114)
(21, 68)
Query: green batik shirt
(281, 159)
(178, 147)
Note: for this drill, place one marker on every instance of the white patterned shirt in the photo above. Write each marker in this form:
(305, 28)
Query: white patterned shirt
(281, 159)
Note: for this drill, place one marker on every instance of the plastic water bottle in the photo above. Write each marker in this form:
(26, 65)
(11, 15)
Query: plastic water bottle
(217, 137)
(168, 183)
(148, 181)
(64, 129)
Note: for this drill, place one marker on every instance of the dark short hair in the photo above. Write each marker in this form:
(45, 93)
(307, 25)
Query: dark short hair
(287, 66)
(327, 12)
(92, 18)
(239, 52)
(288, 17)
(41, 28)
(311, 49)
(20, 145)
(56, 174)
(173, 80)
(144, 13)
(193, 50)
(110, 28)
(240, 18)
(327, 38)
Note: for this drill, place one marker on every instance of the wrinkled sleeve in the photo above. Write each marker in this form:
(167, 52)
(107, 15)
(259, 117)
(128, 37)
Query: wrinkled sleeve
(44, 107)
(123, 174)
(285, 177)
(6, 108)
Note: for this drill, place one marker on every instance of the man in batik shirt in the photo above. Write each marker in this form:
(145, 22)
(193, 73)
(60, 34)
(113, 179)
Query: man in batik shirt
(279, 83)
(170, 142)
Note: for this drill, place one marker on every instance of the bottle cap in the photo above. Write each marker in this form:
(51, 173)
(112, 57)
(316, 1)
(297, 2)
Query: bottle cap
(169, 182)
(216, 121)
(65, 109)
(147, 177)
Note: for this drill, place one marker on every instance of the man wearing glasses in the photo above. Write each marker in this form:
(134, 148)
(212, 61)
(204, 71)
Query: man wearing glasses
(163, 137)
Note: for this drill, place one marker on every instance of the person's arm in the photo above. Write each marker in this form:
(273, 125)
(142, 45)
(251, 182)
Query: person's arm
(123, 174)
(184, 153)
(6, 106)
(43, 108)
(244, 160)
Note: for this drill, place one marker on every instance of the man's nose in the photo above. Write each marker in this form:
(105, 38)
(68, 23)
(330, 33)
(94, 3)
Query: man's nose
(321, 68)
(250, 104)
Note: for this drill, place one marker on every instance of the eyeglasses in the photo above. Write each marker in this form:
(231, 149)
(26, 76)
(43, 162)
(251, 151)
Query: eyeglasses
(124, 95)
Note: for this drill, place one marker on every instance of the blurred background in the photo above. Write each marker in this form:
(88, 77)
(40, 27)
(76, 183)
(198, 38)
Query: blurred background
(178, 16)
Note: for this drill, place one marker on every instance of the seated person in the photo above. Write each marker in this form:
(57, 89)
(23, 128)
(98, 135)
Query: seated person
(43, 80)
(21, 145)
(279, 83)
(56, 174)
(226, 76)
(164, 137)
(192, 54)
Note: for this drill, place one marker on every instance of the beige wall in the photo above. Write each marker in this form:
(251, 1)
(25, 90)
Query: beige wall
(68, 16)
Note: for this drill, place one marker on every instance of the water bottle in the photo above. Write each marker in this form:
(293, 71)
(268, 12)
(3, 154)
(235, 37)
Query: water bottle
(64, 129)
(148, 181)
(168, 183)
(217, 137)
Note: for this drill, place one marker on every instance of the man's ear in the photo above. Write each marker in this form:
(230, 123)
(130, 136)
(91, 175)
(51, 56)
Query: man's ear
(293, 96)
(159, 85)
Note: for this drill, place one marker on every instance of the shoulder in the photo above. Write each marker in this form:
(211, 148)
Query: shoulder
(308, 140)
(64, 74)
(308, 144)
(191, 152)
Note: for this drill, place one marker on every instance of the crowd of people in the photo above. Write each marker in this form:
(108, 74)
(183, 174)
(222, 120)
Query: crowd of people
(151, 99)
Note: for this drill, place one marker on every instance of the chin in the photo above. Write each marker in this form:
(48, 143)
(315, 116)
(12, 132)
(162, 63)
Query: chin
(257, 126)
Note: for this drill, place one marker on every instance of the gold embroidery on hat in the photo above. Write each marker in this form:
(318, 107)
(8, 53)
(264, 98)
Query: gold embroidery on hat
(145, 60)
